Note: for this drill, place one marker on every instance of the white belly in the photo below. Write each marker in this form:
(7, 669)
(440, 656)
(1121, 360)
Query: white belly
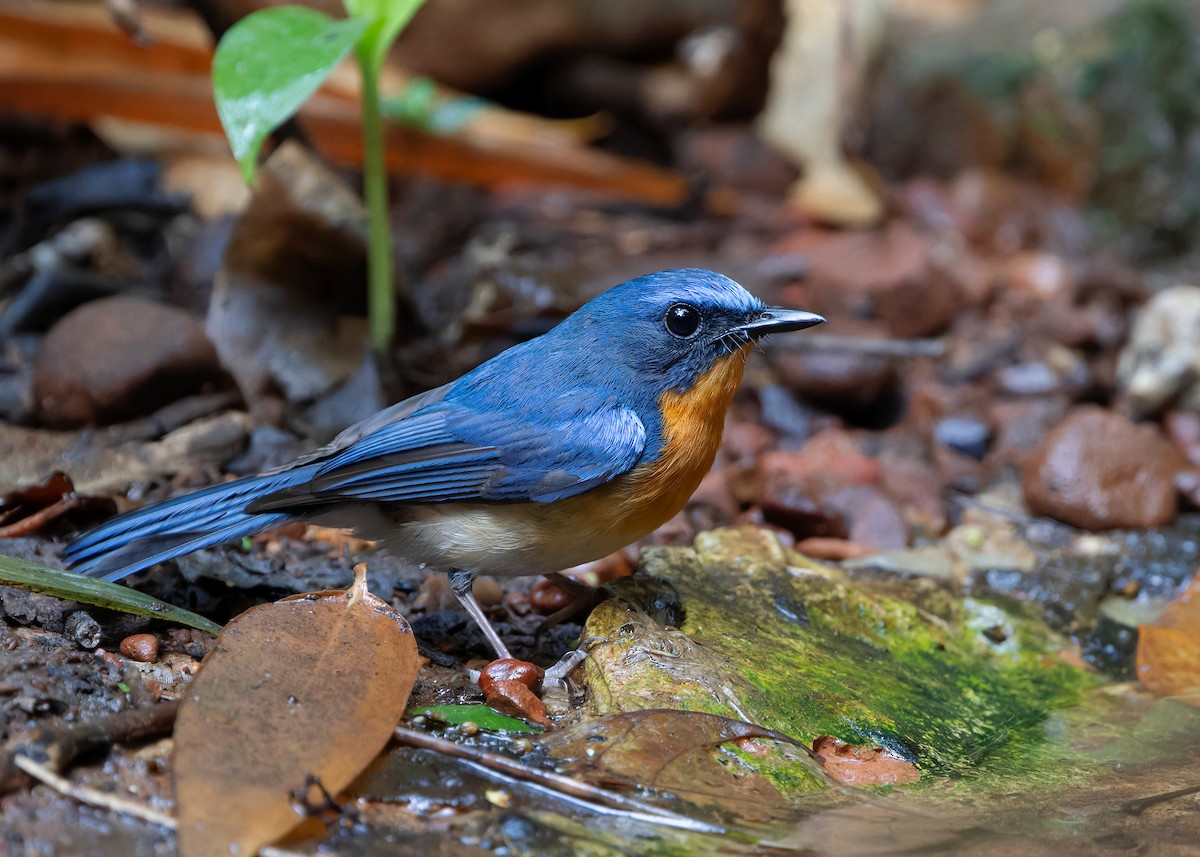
(500, 539)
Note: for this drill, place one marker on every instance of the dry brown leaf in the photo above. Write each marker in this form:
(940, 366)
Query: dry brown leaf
(310, 686)
(1168, 652)
(675, 751)
(167, 85)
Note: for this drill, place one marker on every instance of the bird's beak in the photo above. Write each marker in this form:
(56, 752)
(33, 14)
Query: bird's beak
(779, 320)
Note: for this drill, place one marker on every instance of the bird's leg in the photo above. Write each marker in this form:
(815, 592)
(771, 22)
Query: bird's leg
(460, 582)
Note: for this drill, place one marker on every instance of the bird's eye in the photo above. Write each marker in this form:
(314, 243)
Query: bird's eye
(682, 320)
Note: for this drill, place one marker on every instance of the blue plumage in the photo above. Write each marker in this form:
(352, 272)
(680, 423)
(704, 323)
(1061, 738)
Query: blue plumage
(546, 421)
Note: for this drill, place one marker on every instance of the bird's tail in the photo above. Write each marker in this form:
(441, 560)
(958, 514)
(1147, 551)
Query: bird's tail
(145, 537)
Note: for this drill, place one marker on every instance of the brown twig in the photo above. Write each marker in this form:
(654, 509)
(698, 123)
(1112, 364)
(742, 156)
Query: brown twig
(92, 797)
(115, 803)
(1137, 807)
(899, 348)
(57, 746)
(31, 523)
(591, 797)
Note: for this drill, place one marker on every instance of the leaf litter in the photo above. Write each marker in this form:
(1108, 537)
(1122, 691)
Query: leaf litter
(301, 691)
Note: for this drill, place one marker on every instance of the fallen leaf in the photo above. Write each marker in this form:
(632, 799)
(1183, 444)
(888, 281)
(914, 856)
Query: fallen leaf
(863, 765)
(30, 508)
(1168, 651)
(307, 688)
(672, 751)
(168, 85)
(481, 715)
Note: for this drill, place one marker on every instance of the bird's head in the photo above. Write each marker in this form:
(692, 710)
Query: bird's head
(673, 326)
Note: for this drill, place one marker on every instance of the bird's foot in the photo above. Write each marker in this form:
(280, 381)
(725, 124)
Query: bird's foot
(557, 674)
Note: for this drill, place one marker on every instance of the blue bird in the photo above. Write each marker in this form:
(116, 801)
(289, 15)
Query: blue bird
(556, 452)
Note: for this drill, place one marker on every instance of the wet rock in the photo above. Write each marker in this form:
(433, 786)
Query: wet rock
(1183, 427)
(871, 518)
(120, 357)
(744, 440)
(977, 345)
(966, 435)
(1099, 471)
(832, 457)
(884, 274)
(1110, 645)
(1161, 363)
(1187, 482)
(1066, 587)
(1034, 378)
(1021, 425)
(782, 413)
(913, 482)
(840, 380)
(715, 502)
(832, 550)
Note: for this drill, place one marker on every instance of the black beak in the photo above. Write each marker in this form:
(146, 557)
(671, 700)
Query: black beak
(779, 320)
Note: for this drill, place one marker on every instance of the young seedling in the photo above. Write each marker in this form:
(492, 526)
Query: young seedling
(272, 61)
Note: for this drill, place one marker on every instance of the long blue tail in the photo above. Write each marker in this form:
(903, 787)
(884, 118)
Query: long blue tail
(146, 537)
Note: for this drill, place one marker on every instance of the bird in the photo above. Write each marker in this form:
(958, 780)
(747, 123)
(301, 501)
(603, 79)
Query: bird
(558, 451)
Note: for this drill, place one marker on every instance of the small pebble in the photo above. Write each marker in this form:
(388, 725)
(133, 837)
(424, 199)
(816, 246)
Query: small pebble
(140, 647)
(548, 597)
(487, 591)
(963, 434)
(511, 669)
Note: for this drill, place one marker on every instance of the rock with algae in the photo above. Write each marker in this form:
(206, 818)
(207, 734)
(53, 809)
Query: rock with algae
(962, 688)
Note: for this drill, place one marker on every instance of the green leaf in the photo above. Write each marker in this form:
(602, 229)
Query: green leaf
(417, 105)
(386, 18)
(268, 64)
(72, 586)
(481, 715)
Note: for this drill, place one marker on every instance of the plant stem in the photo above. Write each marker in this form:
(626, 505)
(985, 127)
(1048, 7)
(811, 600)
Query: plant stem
(381, 293)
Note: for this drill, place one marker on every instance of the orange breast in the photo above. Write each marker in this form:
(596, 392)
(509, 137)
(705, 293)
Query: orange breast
(692, 423)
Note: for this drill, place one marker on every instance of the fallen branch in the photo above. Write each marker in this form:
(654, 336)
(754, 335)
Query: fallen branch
(901, 348)
(92, 797)
(113, 803)
(592, 798)
(58, 746)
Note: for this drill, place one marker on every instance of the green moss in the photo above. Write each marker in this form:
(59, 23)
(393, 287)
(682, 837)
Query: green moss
(874, 668)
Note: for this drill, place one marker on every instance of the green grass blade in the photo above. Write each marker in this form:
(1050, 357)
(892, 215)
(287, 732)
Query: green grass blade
(73, 586)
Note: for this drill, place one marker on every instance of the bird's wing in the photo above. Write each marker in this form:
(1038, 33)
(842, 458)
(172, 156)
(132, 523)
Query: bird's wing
(371, 424)
(450, 452)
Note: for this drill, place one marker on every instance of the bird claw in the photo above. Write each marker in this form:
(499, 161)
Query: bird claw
(557, 674)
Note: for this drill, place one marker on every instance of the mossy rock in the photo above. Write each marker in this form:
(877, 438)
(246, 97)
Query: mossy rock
(964, 689)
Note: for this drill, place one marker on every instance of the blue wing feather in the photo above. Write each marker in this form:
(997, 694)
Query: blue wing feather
(454, 452)
(450, 451)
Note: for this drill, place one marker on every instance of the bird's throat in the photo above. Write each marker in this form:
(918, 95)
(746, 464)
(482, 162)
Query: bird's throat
(692, 425)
